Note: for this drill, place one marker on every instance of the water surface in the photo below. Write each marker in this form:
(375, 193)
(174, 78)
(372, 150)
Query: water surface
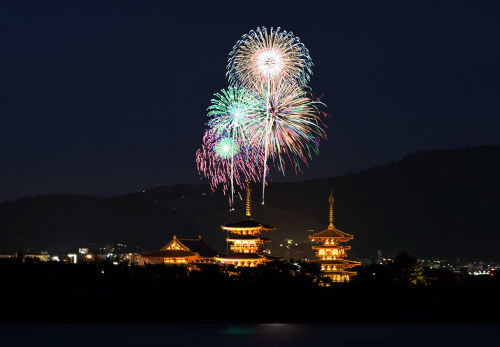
(337, 335)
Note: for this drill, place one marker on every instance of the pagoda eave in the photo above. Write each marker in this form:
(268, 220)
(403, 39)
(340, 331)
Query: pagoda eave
(334, 238)
(255, 239)
(241, 256)
(337, 262)
(255, 229)
(331, 247)
(243, 239)
(243, 259)
(331, 233)
(339, 272)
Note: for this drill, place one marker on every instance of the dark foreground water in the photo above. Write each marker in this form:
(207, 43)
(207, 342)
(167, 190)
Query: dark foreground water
(249, 335)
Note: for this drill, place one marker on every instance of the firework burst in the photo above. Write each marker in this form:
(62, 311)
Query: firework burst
(274, 55)
(267, 115)
(232, 111)
(290, 126)
(226, 148)
(223, 161)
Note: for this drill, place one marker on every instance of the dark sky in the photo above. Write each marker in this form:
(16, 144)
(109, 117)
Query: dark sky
(109, 97)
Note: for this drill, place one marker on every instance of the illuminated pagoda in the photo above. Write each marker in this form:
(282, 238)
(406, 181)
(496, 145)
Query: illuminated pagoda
(244, 239)
(189, 252)
(331, 253)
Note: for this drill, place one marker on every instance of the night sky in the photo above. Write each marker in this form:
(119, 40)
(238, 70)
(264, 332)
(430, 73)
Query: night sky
(109, 97)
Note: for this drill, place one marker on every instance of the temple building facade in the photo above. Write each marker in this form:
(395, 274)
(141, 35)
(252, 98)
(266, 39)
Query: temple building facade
(189, 252)
(244, 239)
(331, 252)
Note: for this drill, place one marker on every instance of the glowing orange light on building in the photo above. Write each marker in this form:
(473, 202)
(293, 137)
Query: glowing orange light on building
(331, 253)
(244, 239)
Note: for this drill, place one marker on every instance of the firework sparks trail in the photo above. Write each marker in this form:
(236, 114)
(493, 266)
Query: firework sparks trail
(267, 113)
(273, 54)
(219, 155)
(291, 126)
(232, 111)
(268, 56)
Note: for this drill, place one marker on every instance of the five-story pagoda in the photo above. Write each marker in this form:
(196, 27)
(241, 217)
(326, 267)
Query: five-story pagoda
(244, 239)
(331, 253)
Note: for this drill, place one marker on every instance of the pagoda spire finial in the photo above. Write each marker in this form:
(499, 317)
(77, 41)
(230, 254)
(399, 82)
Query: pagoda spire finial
(249, 202)
(330, 200)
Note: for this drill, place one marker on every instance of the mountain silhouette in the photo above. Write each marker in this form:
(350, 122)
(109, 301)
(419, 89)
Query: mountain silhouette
(439, 203)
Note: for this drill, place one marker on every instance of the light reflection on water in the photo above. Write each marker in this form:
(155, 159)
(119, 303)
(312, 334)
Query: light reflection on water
(337, 335)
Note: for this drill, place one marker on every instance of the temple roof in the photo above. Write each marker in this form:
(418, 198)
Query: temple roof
(198, 246)
(180, 248)
(177, 253)
(331, 232)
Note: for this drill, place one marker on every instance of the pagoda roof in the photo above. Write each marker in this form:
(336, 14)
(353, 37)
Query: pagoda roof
(331, 233)
(243, 256)
(337, 246)
(339, 272)
(247, 237)
(338, 262)
(248, 224)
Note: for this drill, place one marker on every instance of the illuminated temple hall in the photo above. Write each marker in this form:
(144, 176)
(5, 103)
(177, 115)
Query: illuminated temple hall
(331, 253)
(181, 252)
(245, 241)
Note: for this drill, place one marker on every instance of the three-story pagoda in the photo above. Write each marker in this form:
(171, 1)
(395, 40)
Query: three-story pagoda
(331, 253)
(244, 239)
